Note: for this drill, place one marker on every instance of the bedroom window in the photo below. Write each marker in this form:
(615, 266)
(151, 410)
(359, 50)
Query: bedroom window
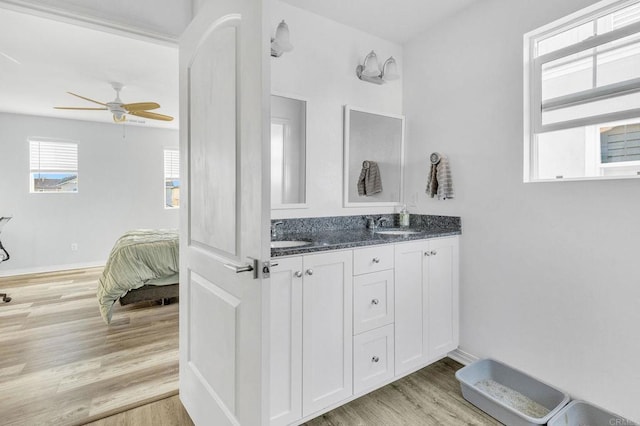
(171, 178)
(53, 166)
(582, 95)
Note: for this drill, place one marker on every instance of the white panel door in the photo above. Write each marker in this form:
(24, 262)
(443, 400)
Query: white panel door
(224, 221)
(327, 329)
(442, 312)
(285, 335)
(410, 310)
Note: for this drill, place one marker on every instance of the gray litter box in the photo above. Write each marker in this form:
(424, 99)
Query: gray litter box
(509, 395)
(581, 413)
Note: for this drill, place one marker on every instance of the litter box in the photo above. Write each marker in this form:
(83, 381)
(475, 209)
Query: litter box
(581, 413)
(509, 395)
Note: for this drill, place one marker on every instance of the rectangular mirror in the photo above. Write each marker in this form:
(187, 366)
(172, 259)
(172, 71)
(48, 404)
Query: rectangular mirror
(373, 158)
(288, 152)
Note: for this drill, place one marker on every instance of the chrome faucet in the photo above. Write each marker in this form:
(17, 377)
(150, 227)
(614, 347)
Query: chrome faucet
(274, 228)
(373, 223)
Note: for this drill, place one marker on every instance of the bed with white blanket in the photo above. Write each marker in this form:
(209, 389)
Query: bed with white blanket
(146, 258)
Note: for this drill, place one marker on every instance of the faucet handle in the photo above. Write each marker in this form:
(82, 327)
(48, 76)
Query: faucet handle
(380, 220)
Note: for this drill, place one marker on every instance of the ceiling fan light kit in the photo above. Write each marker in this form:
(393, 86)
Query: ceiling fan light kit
(120, 110)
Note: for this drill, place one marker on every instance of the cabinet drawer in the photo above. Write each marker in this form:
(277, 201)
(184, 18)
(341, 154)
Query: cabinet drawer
(373, 361)
(372, 259)
(373, 300)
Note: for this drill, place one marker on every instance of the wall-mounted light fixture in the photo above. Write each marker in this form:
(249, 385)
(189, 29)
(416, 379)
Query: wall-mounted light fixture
(280, 43)
(370, 71)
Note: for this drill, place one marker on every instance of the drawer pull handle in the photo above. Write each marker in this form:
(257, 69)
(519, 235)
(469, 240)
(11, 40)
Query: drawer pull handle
(298, 274)
(426, 253)
(375, 301)
(375, 359)
(309, 272)
(376, 260)
(433, 252)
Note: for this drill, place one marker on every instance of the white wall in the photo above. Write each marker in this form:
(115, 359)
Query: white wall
(120, 187)
(549, 271)
(321, 69)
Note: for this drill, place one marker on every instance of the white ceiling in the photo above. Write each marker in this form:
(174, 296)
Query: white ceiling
(394, 20)
(55, 57)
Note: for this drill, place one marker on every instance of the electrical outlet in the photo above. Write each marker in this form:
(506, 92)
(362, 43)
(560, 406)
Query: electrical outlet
(74, 246)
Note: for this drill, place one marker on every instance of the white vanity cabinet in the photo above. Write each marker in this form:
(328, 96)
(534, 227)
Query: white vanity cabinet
(426, 297)
(310, 296)
(346, 322)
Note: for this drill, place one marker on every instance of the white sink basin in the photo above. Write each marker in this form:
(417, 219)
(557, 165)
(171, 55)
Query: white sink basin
(396, 232)
(289, 244)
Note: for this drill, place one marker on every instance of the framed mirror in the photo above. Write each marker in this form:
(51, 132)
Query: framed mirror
(373, 158)
(288, 152)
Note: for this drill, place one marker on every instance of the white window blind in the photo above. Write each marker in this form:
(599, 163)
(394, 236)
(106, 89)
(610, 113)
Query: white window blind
(46, 157)
(587, 72)
(171, 178)
(53, 166)
(171, 164)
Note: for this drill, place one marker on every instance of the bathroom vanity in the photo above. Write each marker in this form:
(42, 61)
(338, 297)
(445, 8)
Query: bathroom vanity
(353, 309)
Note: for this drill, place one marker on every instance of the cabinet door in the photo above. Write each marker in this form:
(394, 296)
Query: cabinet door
(442, 311)
(286, 341)
(411, 303)
(327, 325)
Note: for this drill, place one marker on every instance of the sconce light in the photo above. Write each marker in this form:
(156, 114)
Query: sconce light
(370, 70)
(281, 43)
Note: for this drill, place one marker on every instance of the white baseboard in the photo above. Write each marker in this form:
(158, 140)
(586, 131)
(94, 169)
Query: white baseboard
(462, 357)
(52, 268)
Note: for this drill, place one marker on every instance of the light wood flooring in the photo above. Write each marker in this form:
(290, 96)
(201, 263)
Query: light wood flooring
(429, 397)
(60, 364)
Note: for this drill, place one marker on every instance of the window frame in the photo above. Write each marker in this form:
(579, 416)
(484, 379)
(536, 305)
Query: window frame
(32, 171)
(533, 103)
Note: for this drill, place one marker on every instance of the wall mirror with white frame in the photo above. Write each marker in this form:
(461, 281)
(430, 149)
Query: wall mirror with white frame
(373, 137)
(288, 152)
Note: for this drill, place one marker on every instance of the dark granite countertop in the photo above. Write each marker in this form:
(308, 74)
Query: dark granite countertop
(338, 239)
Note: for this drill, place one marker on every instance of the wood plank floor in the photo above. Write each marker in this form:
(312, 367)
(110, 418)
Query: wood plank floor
(429, 397)
(60, 364)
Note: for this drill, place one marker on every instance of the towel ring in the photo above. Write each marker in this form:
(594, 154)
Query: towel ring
(365, 164)
(435, 158)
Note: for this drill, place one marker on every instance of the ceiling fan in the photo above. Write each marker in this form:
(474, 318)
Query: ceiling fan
(120, 109)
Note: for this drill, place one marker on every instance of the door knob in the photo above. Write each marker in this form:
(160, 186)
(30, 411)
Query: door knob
(376, 260)
(433, 252)
(375, 359)
(375, 301)
(309, 272)
(298, 274)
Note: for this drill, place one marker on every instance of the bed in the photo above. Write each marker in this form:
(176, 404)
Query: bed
(143, 265)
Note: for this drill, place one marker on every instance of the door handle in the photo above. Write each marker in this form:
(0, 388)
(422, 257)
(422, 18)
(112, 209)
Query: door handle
(244, 268)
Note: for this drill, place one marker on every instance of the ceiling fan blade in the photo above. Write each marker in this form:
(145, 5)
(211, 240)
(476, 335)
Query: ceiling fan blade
(83, 109)
(87, 99)
(151, 115)
(141, 106)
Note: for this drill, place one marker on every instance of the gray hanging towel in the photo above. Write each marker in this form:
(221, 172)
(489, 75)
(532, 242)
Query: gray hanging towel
(369, 182)
(440, 183)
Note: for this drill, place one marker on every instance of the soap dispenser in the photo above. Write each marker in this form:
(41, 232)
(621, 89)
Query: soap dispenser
(404, 216)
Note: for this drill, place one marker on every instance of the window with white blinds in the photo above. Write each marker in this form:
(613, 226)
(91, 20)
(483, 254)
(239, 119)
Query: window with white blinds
(582, 79)
(171, 178)
(53, 166)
